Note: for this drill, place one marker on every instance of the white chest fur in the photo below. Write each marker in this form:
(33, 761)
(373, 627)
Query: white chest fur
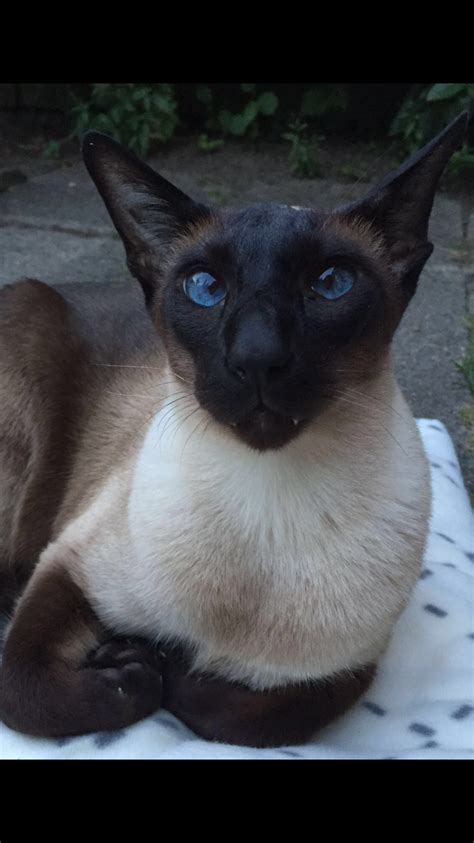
(274, 566)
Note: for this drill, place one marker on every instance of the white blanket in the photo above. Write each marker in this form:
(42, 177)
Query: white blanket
(421, 704)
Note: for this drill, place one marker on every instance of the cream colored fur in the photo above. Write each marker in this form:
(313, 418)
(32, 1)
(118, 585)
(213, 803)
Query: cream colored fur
(274, 566)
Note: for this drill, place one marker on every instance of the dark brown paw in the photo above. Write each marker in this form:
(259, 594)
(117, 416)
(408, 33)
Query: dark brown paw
(119, 652)
(130, 670)
(120, 684)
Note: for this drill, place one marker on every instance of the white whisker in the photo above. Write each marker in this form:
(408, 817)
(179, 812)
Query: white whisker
(365, 407)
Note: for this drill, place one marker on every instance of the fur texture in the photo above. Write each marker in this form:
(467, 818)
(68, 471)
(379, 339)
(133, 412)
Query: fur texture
(270, 527)
(260, 563)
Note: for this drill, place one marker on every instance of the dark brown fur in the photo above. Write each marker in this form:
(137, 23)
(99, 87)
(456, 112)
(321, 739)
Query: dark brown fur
(37, 417)
(53, 347)
(49, 687)
(230, 713)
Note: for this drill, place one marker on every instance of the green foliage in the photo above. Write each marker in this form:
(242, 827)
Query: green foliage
(223, 115)
(207, 144)
(263, 113)
(317, 102)
(136, 115)
(467, 364)
(443, 91)
(426, 111)
(142, 115)
(462, 162)
(411, 124)
(245, 122)
(304, 150)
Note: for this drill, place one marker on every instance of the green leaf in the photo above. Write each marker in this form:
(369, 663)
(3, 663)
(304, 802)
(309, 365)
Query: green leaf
(267, 103)
(250, 112)
(206, 144)
(462, 162)
(240, 122)
(162, 103)
(445, 91)
(238, 125)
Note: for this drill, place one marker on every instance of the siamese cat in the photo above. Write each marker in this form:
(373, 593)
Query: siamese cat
(214, 494)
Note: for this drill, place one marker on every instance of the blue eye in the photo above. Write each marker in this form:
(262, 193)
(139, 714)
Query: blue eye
(203, 289)
(334, 282)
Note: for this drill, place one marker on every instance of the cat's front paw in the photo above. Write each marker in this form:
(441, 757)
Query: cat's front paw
(132, 669)
(119, 684)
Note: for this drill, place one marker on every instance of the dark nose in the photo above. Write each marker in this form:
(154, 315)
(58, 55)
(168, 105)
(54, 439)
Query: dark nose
(258, 353)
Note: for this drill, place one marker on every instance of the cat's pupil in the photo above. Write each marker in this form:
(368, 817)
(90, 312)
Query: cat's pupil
(203, 289)
(334, 282)
(327, 278)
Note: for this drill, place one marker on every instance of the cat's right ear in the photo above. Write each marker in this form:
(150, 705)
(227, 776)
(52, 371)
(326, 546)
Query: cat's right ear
(148, 212)
(399, 208)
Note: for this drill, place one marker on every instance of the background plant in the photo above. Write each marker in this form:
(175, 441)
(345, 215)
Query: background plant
(142, 116)
(304, 149)
(244, 122)
(425, 112)
(138, 116)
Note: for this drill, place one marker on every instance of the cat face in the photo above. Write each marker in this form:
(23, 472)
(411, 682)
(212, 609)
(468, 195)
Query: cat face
(269, 312)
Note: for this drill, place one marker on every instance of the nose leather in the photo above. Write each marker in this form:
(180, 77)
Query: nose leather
(258, 351)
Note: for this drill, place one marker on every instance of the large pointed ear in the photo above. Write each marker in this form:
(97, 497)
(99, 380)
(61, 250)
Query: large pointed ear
(148, 212)
(399, 208)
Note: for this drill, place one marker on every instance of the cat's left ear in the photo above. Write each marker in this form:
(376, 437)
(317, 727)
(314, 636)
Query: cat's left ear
(400, 207)
(148, 211)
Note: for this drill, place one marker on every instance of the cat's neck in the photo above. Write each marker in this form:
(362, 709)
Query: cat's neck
(355, 437)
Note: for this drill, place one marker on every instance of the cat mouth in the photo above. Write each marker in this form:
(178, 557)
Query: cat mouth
(264, 428)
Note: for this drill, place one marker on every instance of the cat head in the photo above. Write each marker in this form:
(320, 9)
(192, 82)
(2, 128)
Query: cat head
(269, 311)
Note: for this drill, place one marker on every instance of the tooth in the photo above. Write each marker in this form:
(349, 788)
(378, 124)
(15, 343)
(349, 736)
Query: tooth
(295, 422)
(233, 424)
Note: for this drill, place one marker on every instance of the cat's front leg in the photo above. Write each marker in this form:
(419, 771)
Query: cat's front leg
(60, 675)
(221, 710)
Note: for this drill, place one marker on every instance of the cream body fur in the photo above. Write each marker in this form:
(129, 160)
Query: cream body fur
(274, 566)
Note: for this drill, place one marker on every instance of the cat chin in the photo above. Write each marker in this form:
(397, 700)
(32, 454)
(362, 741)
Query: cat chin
(264, 429)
